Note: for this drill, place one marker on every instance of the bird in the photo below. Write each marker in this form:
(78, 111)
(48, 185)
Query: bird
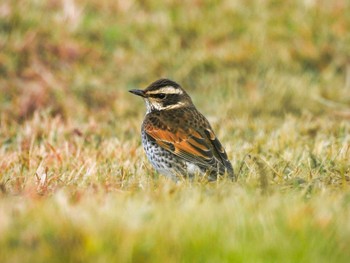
(178, 140)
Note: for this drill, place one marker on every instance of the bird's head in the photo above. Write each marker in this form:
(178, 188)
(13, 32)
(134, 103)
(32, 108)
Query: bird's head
(164, 94)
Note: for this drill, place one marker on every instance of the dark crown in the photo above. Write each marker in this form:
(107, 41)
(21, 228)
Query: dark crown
(160, 83)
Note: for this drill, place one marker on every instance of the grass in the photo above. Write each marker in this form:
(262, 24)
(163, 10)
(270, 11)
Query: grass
(273, 78)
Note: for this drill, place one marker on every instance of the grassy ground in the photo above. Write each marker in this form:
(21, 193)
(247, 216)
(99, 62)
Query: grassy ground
(273, 78)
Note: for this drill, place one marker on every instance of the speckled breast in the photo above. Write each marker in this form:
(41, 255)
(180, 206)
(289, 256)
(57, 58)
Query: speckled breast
(162, 160)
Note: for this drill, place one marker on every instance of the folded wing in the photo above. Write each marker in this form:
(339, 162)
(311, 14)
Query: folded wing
(199, 147)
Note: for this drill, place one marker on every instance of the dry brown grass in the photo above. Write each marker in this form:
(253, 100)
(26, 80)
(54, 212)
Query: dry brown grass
(271, 76)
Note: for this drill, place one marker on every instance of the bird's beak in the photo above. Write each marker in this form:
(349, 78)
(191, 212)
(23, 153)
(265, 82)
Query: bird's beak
(138, 92)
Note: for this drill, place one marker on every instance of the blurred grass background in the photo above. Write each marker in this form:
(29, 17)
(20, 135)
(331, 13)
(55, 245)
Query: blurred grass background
(273, 78)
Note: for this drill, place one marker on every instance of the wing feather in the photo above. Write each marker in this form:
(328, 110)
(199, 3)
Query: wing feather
(191, 145)
(199, 147)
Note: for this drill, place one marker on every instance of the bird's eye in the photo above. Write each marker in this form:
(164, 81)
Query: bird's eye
(160, 96)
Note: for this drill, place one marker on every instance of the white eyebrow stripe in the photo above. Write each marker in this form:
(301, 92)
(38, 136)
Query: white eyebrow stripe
(166, 90)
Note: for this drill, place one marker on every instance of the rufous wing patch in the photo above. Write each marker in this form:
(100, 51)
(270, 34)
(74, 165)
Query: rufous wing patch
(183, 144)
